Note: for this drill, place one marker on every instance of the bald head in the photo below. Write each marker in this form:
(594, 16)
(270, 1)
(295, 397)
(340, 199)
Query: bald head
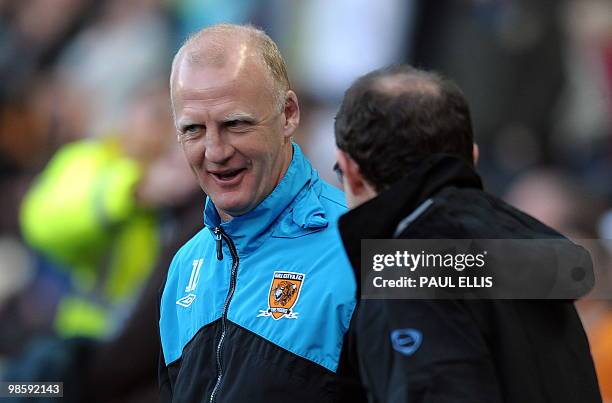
(232, 47)
(415, 82)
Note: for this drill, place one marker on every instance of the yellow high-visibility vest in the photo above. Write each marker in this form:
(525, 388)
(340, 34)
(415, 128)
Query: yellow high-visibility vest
(81, 212)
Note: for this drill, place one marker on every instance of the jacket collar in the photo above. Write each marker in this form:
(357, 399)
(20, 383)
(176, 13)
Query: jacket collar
(248, 231)
(378, 218)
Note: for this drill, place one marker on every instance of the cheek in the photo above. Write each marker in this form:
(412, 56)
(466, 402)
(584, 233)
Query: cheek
(193, 154)
(259, 150)
(267, 161)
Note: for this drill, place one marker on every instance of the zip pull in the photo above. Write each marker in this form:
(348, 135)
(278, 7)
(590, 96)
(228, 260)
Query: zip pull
(217, 232)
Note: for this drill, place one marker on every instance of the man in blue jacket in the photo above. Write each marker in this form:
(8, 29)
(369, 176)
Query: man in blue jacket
(257, 304)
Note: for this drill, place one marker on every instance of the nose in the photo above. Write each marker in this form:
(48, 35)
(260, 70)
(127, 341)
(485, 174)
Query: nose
(218, 149)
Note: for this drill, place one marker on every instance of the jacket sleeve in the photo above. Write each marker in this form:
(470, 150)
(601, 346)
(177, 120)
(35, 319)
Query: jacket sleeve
(421, 351)
(165, 387)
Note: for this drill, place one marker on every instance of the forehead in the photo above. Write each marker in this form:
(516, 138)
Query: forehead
(239, 82)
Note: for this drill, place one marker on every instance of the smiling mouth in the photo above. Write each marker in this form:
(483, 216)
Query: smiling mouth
(227, 176)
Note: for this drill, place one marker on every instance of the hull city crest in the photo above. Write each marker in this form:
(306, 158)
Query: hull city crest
(284, 293)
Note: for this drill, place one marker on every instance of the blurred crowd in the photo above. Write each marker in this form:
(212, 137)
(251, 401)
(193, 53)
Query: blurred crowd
(95, 195)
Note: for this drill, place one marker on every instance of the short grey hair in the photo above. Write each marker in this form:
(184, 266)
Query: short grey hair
(215, 54)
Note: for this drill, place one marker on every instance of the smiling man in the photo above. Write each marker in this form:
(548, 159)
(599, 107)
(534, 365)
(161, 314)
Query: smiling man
(257, 304)
(235, 116)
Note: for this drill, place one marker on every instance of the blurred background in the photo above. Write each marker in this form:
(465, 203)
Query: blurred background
(95, 196)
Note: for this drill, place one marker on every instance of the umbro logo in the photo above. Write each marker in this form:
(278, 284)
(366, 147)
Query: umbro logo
(186, 300)
(194, 278)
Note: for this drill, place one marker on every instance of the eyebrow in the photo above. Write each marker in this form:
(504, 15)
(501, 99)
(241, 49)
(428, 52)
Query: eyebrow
(239, 116)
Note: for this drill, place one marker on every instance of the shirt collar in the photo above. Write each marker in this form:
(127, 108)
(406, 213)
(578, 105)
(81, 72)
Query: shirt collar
(378, 217)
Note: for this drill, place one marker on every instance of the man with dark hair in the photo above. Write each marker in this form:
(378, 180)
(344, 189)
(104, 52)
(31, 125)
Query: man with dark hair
(406, 159)
(437, 121)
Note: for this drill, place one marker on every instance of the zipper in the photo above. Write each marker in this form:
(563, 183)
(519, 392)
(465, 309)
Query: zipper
(219, 243)
(220, 235)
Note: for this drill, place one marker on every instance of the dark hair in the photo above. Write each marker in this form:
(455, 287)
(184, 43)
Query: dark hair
(393, 115)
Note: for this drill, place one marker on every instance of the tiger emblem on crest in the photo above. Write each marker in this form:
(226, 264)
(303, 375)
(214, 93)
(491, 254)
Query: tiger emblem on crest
(284, 291)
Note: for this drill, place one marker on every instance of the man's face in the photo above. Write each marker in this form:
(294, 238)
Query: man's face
(356, 188)
(235, 139)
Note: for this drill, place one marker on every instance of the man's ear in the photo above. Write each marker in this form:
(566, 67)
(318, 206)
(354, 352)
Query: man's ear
(290, 114)
(475, 154)
(352, 177)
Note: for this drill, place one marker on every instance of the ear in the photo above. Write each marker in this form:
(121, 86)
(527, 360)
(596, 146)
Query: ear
(352, 178)
(475, 154)
(291, 114)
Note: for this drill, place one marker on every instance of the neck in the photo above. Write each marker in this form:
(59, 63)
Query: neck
(224, 216)
(287, 153)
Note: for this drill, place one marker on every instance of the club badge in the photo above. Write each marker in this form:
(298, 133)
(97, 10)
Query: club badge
(284, 293)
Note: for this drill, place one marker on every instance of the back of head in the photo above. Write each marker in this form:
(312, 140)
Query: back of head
(392, 116)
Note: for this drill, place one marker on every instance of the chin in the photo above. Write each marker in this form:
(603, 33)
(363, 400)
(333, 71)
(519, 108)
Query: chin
(233, 208)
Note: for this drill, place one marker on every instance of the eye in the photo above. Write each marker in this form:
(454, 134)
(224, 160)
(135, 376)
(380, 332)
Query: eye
(237, 124)
(192, 130)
